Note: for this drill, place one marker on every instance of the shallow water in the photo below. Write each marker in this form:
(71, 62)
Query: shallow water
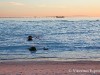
(66, 38)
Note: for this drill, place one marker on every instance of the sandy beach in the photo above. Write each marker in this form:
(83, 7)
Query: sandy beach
(50, 68)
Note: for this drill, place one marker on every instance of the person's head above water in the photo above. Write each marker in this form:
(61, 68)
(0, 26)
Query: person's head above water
(29, 38)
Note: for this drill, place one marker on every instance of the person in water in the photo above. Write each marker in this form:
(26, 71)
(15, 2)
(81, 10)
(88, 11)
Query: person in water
(30, 38)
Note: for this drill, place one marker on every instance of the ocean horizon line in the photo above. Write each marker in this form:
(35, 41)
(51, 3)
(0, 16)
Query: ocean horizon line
(53, 17)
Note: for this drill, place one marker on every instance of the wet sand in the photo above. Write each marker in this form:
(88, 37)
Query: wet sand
(50, 68)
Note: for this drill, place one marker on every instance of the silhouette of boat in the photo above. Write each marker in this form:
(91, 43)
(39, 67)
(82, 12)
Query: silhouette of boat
(59, 16)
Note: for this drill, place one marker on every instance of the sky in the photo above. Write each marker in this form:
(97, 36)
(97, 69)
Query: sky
(31, 8)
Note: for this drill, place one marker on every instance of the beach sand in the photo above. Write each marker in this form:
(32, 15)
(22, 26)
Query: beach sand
(50, 68)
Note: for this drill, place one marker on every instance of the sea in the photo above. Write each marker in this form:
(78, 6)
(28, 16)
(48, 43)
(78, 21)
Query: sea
(64, 38)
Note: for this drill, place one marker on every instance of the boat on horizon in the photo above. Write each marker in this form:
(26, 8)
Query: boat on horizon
(59, 16)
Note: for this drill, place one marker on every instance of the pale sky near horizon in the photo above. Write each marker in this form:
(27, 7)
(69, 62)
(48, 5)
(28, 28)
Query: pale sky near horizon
(30, 8)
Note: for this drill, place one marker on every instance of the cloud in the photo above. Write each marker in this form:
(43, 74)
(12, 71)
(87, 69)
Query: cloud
(16, 3)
